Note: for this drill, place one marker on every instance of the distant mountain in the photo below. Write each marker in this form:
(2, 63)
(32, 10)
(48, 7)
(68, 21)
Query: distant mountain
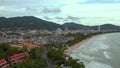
(110, 27)
(74, 26)
(30, 22)
(27, 22)
(107, 27)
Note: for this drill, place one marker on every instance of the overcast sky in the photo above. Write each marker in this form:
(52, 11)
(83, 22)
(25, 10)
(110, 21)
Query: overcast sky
(88, 12)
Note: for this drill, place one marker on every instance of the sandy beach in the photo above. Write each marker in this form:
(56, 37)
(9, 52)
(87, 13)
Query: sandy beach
(74, 47)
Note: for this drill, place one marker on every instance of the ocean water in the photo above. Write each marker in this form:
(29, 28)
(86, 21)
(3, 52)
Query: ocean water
(100, 52)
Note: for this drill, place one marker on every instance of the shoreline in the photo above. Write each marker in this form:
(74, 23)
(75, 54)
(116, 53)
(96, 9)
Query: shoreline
(71, 49)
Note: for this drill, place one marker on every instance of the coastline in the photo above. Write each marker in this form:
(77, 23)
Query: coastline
(69, 50)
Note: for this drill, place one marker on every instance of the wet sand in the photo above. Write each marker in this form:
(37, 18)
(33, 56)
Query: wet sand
(74, 47)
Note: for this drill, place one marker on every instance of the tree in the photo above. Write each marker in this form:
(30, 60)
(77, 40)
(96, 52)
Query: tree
(24, 49)
(5, 47)
(74, 64)
(35, 53)
(36, 60)
(56, 56)
(33, 63)
(2, 54)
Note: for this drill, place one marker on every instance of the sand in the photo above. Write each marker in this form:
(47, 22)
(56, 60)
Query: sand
(76, 46)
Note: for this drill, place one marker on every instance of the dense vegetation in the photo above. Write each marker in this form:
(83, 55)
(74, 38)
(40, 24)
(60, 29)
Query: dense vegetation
(27, 22)
(79, 37)
(35, 58)
(35, 61)
(75, 26)
(6, 50)
(60, 60)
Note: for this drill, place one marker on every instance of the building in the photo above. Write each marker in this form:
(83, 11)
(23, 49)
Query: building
(29, 45)
(2, 34)
(18, 58)
(99, 29)
(59, 31)
(4, 64)
(66, 30)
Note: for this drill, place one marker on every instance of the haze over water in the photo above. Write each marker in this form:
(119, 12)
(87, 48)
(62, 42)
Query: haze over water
(100, 52)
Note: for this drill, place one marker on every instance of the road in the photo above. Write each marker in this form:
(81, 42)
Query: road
(44, 55)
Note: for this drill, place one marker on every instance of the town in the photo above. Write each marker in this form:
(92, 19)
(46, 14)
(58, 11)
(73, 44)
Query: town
(32, 39)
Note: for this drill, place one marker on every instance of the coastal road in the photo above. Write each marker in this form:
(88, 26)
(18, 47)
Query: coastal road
(44, 55)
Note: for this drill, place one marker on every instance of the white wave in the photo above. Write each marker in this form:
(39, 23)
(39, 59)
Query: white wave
(103, 46)
(95, 47)
(107, 55)
(101, 38)
(95, 64)
(86, 57)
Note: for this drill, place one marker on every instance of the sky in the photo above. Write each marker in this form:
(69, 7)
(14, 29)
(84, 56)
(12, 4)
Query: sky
(87, 12)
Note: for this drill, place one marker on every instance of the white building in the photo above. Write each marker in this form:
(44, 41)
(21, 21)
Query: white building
(99, 29)
(59, 31)
(66, 30)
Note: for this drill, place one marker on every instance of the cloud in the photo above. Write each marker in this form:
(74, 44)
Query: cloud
(45, 10)
(34, 3)
(17, 2)
(58, 18)
(51, 10)
(47, 18)
(31, 9)
(101, 1)
(39, 11)
(67, 19)
(72, 17)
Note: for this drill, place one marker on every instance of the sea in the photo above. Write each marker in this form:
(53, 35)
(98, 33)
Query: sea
(102, 51)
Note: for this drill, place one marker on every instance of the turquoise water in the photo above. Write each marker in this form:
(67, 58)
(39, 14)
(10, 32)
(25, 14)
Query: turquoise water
(100, 52)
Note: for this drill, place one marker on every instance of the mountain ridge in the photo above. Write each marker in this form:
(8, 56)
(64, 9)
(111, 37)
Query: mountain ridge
(27, 22)
(31, 22)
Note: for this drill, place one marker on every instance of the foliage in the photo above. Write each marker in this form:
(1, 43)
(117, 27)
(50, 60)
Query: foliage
(56, 56)
(2, 54)
(36, 60)
(74, 64)
(35, 53)
(33, 63)
(58, 66)
(27, 22)
(6, 50)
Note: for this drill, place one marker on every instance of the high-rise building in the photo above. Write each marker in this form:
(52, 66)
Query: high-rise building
(59, 31)
(99, 29)
(66, 30)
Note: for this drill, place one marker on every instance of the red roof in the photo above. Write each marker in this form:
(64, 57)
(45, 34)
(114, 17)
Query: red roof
(18, 56)
(2, 62)
(29, 45)
(28, 41)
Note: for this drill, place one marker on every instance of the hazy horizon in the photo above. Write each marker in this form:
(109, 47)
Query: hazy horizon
(86, 12)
